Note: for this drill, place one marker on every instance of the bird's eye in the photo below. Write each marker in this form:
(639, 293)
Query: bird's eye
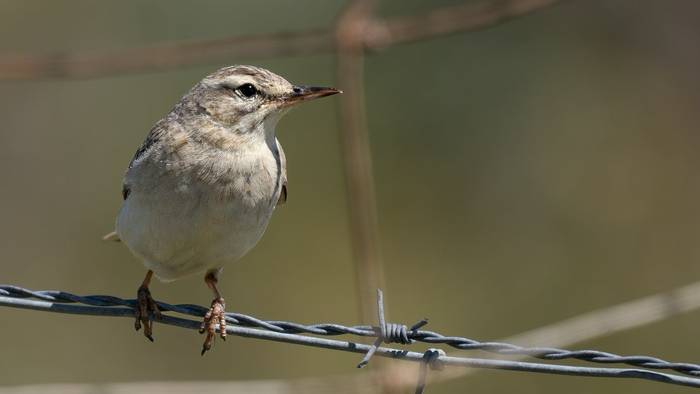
(247, 90)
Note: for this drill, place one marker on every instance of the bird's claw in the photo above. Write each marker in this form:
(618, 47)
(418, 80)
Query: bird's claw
(215, 317)
(146, 307)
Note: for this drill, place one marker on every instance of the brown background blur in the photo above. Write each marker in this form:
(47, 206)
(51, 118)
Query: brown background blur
(525, 174)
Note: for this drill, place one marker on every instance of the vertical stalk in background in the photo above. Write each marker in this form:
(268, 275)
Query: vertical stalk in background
(357, 161)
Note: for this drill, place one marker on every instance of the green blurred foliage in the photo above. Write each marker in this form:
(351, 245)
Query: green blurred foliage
(525, 174)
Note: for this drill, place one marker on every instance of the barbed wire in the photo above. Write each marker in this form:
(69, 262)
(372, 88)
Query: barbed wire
(289, 332)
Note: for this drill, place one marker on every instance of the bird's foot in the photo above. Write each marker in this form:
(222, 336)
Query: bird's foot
(214, 317)
(146, 306)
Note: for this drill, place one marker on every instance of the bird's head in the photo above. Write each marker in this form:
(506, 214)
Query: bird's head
(245, 97)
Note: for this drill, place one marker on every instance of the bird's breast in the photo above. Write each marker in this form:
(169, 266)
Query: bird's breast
(185, 217)
(251, 180)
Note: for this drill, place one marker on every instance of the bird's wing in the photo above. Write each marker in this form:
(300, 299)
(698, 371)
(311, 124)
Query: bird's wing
(283, 169)
(154, 136)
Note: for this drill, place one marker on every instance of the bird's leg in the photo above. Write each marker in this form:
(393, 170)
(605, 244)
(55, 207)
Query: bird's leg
(215, 316)
(145, 307)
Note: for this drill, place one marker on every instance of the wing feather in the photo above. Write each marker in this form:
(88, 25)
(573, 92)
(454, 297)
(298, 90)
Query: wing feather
(283, 164)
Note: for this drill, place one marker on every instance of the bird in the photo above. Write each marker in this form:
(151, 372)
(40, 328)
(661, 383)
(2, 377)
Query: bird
(199, 192)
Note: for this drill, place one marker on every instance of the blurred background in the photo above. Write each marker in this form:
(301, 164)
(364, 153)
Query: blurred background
(524, 174)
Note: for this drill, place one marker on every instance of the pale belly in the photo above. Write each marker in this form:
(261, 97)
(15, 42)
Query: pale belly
(188, 233)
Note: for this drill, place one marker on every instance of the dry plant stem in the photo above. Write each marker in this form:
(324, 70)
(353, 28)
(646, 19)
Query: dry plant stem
(381, 33)
(357, 161)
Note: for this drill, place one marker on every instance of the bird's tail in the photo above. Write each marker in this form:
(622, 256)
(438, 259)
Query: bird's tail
(113, 236)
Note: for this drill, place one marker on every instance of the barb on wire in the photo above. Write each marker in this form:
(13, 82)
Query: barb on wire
(288, 332)
(389, 332)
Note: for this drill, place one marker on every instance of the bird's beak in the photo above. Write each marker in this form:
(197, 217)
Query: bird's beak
(304, 93)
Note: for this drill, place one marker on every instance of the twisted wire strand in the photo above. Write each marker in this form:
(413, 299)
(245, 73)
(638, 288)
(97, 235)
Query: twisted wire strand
(386, 332)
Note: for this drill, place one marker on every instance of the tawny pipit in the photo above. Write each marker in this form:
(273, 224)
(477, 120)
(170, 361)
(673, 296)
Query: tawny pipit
(201, 189)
